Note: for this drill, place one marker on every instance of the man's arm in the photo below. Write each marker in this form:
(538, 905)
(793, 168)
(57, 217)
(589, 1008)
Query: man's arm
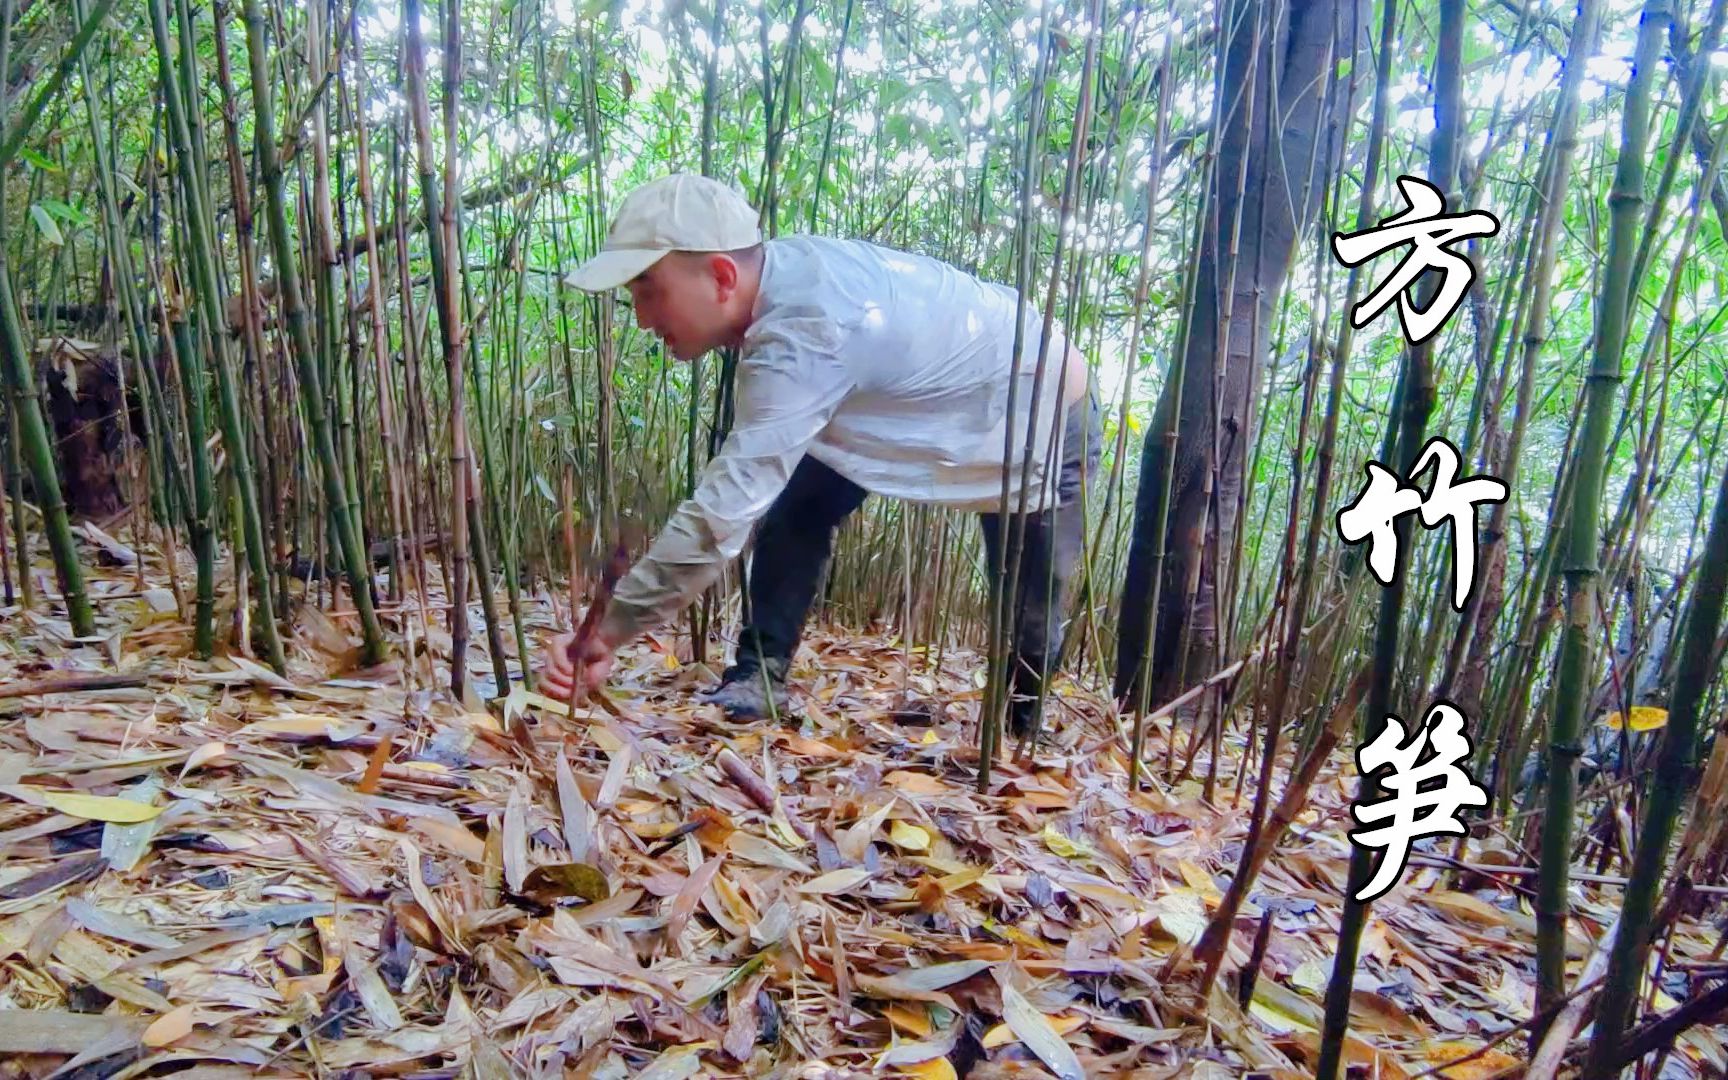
(790, 383)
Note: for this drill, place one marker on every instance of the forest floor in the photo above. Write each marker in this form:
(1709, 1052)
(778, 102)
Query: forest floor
(234, 874)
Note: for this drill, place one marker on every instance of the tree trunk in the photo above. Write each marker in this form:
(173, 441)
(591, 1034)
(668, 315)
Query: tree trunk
(1264, 191)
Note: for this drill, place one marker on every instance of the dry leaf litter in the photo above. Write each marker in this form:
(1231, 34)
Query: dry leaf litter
(228, 873)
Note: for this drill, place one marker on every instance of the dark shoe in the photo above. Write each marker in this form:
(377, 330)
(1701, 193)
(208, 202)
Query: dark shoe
(1022, 712)
(751, 692)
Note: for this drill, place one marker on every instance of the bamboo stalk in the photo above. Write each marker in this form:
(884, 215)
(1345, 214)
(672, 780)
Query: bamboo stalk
(1580, 529)
(300, 343)
(235, 442)
(30, 434)
(1670, 785)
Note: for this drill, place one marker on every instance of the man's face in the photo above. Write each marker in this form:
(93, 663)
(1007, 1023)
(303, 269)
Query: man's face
(681, 300)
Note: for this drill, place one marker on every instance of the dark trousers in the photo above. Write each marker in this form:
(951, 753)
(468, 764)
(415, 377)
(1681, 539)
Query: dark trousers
(796, 538)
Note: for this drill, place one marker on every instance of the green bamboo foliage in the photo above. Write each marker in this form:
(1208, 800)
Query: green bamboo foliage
(1581, 536)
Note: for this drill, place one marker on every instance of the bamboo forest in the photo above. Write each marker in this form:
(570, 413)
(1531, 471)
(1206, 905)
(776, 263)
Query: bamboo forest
(424, 420)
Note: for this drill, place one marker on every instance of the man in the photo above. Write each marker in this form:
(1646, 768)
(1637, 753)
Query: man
(860, 370)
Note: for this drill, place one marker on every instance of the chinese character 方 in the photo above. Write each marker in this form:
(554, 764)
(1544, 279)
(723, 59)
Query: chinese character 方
(1428, 229)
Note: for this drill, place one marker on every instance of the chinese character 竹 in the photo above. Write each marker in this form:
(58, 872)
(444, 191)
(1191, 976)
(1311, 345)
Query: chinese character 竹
(1387, 498)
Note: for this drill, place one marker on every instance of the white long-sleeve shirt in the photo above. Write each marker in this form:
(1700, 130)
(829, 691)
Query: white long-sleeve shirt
(891, 369)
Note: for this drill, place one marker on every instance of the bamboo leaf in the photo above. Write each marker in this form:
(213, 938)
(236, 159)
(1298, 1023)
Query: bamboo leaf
(89, 807)
(45, 222)
(1040, 1036)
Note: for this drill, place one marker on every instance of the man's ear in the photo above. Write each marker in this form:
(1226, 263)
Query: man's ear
(725, 272)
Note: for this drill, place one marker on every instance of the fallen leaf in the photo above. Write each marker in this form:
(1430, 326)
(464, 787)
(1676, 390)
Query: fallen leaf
(835, 881)
(914, 783)
(1063, 845)
(678, 1063)
(908, 837)
(169, 1028)
(549, 884)
(1644, 718)
(1491, 1063)
(1002, 1034)
(910, 1020)
(1041, 1037)
(89, 807)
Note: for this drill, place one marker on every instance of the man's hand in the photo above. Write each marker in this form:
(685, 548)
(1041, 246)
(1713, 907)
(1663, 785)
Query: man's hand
(580, 673)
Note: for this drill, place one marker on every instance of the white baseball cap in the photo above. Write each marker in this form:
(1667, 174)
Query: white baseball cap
(681, 212)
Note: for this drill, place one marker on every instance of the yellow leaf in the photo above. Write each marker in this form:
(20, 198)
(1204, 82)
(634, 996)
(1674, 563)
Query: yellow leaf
(1198, 879)
(1185, 926)
(953, 883)
(170, 1027)
(300, 725)
(671, 662)
(1311, 975)
(1063, 845)
(1492, 1063)
(89, 807)
(909, 837)
(1644, 718)
(936, 1068)
(1104, 894)
(328, 942)
(1284, 1010)
(1002, 1034)
(1014, 934)
(210, 751)
(913, 1021)
(1182, 915)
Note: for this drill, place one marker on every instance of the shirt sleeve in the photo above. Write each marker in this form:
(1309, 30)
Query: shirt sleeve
(791, 379)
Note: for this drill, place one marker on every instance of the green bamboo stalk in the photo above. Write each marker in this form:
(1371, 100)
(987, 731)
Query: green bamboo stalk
(208, 284)
(1670, 786)
(1580, 536)
(446, 269)
(1001, 602)
(300, 343)
(201, 507)
(15, 496)
(31, 434)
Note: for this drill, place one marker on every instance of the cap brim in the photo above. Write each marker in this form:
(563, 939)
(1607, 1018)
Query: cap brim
(610, 269)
